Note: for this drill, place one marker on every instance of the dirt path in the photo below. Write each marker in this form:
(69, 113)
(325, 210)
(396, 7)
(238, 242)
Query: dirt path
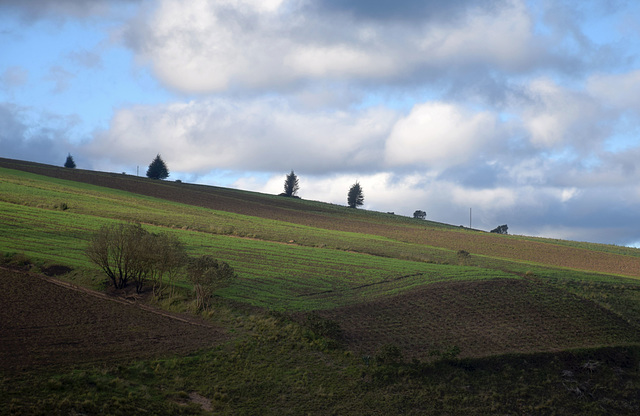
(48, 322)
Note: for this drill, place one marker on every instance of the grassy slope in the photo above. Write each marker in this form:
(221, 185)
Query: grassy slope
(330, 268)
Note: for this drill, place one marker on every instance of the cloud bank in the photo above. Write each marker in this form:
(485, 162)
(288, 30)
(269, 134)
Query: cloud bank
(525, 112)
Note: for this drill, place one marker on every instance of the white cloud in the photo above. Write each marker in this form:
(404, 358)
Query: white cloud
(439, 135)
(617, 90)
(262, 135)
(555, 116)
(503, 37)
(204, 47)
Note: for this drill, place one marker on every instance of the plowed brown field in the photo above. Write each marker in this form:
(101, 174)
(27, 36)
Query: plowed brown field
(45, 324)
(482, 318)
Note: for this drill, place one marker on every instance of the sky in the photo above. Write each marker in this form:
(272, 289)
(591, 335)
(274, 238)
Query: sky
(523, 113)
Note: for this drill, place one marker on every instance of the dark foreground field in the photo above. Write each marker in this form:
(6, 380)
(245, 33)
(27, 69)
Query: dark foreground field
(46, 325)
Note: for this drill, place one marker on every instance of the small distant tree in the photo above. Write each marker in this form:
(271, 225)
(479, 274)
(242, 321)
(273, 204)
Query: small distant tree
(291, 185)
(501, 229)
(208, 275)
(355, 198)
(70, 163)
(157, 169)
(420, 215)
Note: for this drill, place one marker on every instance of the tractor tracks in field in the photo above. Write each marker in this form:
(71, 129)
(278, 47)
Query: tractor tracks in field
(382, 282)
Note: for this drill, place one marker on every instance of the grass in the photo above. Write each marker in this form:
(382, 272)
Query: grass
(396, 279)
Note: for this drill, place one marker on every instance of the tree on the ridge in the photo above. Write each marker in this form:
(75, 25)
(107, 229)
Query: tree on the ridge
(419, 214)
(291, 185)
(70, 163)
(157, 169)
(355, 198)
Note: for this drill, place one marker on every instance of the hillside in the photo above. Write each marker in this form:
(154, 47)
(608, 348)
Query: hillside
(386, 281)
(580, 256)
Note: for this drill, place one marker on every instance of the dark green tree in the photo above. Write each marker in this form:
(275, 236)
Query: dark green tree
(70, 163)
(501, 229)
(419, 214)
(355, 198)
(157, 169)
(291, 185)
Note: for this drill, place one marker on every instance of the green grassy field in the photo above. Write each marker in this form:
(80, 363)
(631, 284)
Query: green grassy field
(385, 280)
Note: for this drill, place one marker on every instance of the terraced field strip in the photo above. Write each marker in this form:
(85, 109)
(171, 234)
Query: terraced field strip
(482, 318)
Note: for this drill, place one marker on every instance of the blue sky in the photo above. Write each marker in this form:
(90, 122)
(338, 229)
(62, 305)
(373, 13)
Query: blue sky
(526, 111)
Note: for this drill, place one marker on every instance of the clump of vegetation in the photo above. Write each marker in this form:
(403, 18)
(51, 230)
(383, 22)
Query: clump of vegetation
(419, 215)
(127, 252)
(463, 257)
(169, 257)
(208, 275)
(501, 229)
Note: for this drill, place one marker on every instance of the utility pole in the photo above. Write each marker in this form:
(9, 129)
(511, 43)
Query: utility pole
(469, 218)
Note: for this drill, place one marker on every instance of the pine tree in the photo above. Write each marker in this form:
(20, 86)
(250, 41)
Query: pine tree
(355, 198)
(70, 163)
(291, 185)
(157, 169)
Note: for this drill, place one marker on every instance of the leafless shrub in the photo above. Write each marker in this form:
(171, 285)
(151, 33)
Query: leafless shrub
(208, 275)
(129, 253)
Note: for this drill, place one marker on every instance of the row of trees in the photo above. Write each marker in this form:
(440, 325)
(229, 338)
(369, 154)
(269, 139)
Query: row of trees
(127, 253)
(355, 197)
(157, 169)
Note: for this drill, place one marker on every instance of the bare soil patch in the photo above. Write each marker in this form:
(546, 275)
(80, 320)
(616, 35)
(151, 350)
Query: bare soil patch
(44, 324)
(482, 318)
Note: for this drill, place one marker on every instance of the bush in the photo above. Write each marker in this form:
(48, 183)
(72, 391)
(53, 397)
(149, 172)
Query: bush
(127, 252)
(208, 275)
(501, 229)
